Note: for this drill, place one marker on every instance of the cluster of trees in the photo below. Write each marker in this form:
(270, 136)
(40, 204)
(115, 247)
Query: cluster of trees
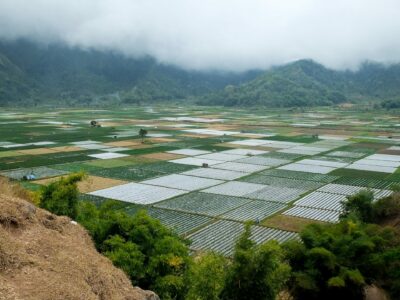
(327, 261)
(390, 104)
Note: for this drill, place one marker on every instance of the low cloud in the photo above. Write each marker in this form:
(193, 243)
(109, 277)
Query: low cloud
(232, 35)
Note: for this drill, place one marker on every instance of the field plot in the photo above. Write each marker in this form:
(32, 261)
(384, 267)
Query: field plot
(300, 175)
(108, 155)
(126, 173)
(346, 154)
(377, 163)
(138, 193)
(235, 188)
(203, 203)
(166, 167)
(222, 235)
(109, 163)
(88, 142)
(307, 168)
(249, 142)
(303, 185)
(94, 146)
(324, 163)
(263, 161)
(38, 172)
(118, 149)
(160, 156)
(215, 173)
(365, 182)
(221, 156)
(194, 161)
(278, 194)
(373, 168)
(211, 132)
(189, 152)
(37, 151)
(305, 150)
(348, 190)
(254, 211)
(247, 152)
(183, 182)
(240, 167)
(281, 155)
(322, 200)
(182, 223)
(313, 214)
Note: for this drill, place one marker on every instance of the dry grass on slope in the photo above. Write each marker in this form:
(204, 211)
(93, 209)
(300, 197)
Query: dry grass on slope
(43, 256)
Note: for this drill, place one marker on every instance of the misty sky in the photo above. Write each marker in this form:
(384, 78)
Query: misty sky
(216, 34)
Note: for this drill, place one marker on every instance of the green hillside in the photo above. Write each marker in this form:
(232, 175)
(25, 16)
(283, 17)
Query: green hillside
(31, 74)
(57, 74)
(306, 83)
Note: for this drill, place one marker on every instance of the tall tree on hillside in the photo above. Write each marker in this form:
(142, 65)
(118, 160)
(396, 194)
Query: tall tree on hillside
(142, 134)
(257, 271)
(339, 261)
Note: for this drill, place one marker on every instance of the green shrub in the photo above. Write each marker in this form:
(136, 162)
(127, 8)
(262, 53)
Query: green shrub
(61, 197)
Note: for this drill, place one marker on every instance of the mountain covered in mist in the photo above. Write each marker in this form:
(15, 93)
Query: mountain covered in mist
(31, 74)
(306, 83)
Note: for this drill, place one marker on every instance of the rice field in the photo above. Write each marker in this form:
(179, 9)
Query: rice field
(205, 176)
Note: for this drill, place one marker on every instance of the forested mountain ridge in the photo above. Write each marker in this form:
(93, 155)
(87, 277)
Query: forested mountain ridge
(307, 83)
(55, 74)
(31, 73)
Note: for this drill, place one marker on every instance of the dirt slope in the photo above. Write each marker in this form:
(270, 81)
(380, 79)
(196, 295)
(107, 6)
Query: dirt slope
(43, 256)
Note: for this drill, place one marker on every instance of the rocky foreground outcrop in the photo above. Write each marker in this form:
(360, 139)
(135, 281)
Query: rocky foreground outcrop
(43, 256)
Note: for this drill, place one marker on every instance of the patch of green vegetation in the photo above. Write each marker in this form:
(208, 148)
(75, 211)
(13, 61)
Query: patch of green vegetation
(109, 163)
(126, 173)
(76, 167)
(295, 139)
(30, 186)
(351, 173)
(167, 167)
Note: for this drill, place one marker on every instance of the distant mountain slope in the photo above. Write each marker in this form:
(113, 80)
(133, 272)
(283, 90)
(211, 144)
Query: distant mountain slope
(14, 84)
(306, 83)
(303, 83)
(57, 72)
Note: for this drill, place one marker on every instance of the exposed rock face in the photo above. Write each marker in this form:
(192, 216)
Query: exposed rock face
(43, 256)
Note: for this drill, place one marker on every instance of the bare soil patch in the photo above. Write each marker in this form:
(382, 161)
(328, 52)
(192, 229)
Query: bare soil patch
(46, 257)
(90, 184)
(288, 223)
(67, 149)
(160, 140)
(37, 151)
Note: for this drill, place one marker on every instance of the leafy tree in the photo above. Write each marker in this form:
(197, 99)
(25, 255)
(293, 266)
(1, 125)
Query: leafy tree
(363, 207)
(127, 256)
(257, 272)
(359, 206)
(206, 277)
(152, 255)
(338, 261)
(142, 134)
(61, 197)
(387, 208)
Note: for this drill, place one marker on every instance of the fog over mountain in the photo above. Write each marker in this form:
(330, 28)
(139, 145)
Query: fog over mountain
(231, 35)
